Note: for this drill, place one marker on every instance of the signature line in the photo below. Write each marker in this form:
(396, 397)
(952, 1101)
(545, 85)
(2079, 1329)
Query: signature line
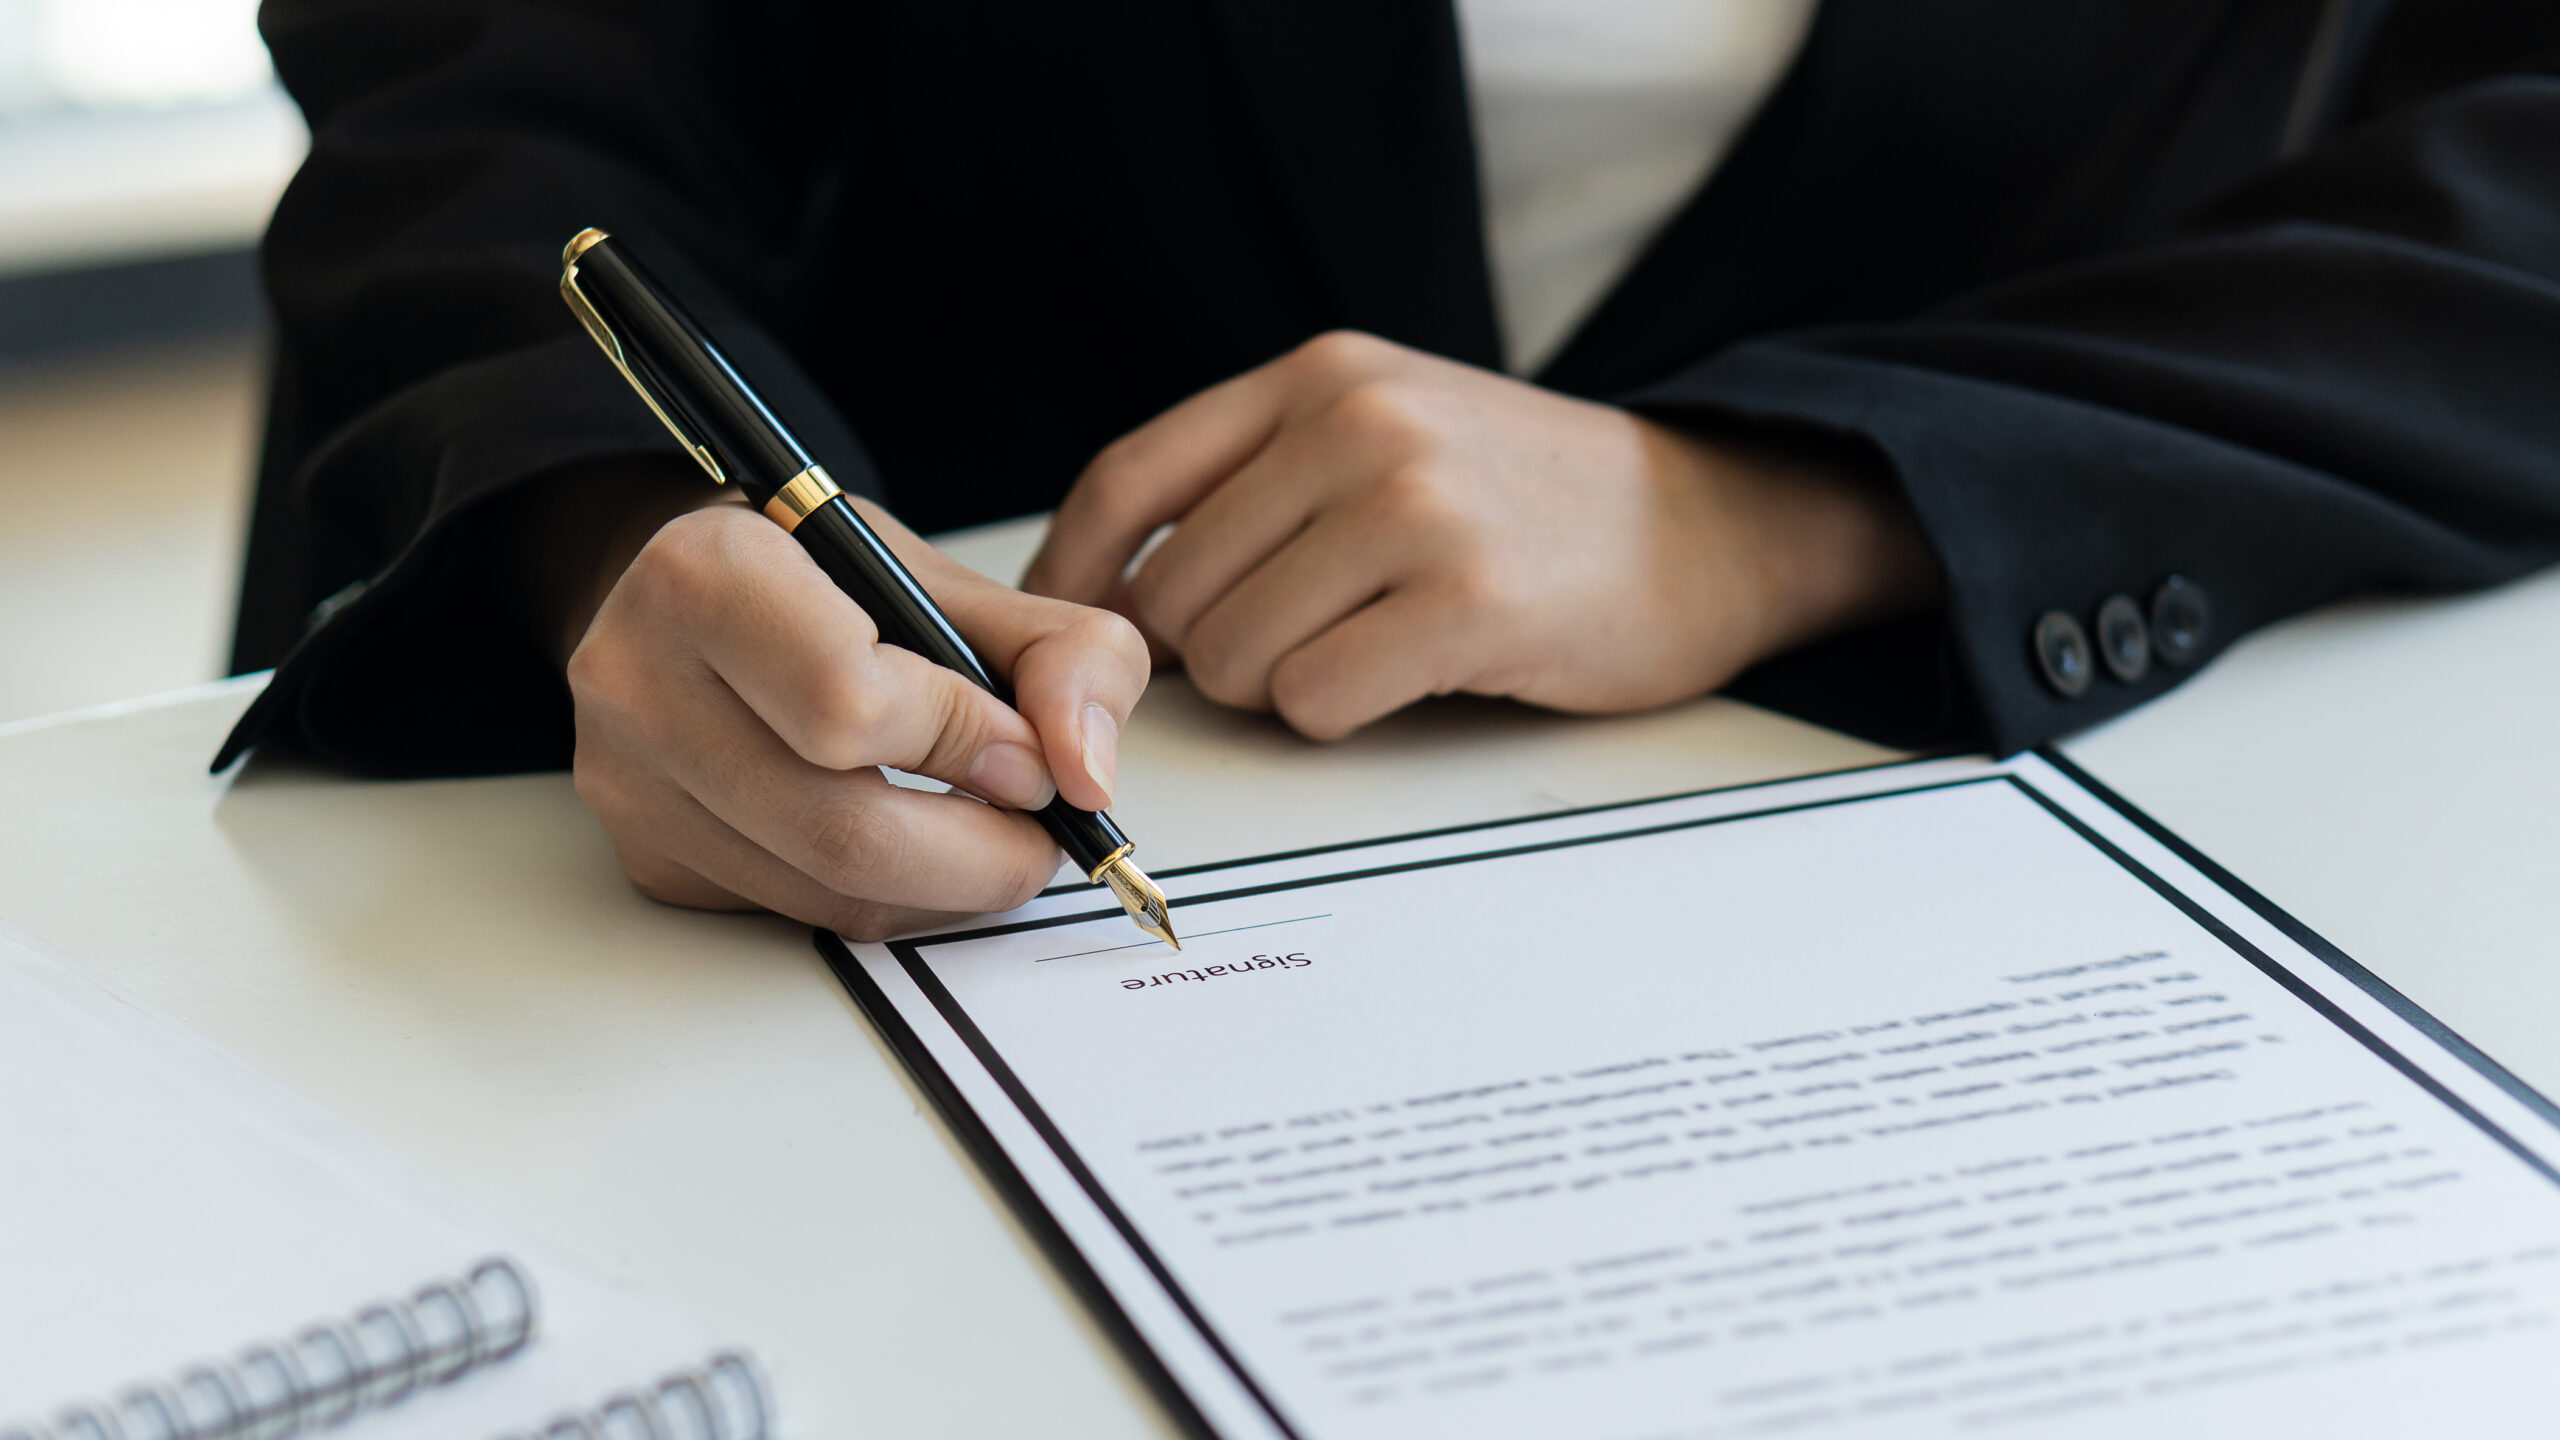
(1203, 935)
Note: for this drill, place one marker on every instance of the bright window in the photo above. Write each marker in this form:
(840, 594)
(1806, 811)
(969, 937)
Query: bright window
(131, 129)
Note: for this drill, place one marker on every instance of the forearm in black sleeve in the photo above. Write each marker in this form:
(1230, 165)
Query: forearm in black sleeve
(2344, 376)
(425, 365)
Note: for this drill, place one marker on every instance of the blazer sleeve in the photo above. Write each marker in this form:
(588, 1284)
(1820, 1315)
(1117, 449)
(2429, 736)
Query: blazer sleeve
(2343, 375)
(425, 365)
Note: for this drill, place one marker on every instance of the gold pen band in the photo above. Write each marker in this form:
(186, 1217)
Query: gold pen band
(804, 493)
(1108, 861)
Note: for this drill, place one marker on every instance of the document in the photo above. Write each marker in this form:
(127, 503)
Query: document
(1948, 1098)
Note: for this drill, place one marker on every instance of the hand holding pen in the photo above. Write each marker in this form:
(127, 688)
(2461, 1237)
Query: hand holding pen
(732, 698)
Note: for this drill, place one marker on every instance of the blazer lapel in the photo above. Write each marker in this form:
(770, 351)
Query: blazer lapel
(1362, 107)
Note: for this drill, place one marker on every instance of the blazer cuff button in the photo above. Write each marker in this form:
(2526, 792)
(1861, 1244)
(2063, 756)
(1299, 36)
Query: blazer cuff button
(2124, 642)
(2181, 619)
(2062, 652)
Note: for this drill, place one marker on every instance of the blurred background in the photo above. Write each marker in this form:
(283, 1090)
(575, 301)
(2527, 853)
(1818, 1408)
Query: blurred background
(142, 145)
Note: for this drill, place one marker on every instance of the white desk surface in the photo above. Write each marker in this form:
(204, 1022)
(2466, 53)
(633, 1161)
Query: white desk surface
(690, 1102)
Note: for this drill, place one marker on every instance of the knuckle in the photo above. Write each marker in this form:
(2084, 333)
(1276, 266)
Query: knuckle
(833, 716)
(679, 564)
(595, 788)
(698, 563)
(1224, 675)
(605, 791)
(1109, 631)
(1304, 703)
(1109, 475)
(589, 672)
(1130, 651)
(960, 727)
(852, 843)
(1151, 595)
(1337, 351)
(1376, 409)
(604, 674)
(1474, 587)
(847, 713)
(1293, 685)
(1119, 484)
(1418, 497)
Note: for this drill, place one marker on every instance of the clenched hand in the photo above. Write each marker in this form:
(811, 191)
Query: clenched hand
(1358, 525)
(732, 707)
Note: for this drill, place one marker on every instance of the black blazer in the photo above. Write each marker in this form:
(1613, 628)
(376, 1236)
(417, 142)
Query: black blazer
(2260, 293)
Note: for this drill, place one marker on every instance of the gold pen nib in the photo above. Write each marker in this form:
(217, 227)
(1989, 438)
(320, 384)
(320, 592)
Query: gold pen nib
(1139, 896)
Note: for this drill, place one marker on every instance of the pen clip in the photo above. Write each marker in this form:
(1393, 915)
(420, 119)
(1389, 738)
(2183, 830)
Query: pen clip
(611, 344)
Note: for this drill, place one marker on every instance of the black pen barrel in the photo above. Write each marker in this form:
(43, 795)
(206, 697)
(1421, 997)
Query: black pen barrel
(862, 565)
(684, 372)
(853, 555)
(1088, 836)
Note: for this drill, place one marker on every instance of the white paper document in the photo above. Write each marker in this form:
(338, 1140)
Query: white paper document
(1935, 1099)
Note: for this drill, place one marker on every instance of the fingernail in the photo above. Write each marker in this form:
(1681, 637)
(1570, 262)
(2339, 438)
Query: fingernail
(1102, 750)
(1010, 775)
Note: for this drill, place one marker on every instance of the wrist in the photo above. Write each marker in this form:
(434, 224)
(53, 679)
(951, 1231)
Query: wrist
(1824, 540)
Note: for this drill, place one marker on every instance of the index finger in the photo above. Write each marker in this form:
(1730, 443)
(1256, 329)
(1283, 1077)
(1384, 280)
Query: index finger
(1151, 476)
(809, 662)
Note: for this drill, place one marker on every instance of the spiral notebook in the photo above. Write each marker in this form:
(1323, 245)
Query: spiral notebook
(187, 1249)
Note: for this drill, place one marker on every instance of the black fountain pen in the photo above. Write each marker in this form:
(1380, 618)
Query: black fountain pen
(729, 432)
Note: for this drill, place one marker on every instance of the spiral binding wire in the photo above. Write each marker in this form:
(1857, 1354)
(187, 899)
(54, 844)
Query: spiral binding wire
(723, 1400)
(327, 1372)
